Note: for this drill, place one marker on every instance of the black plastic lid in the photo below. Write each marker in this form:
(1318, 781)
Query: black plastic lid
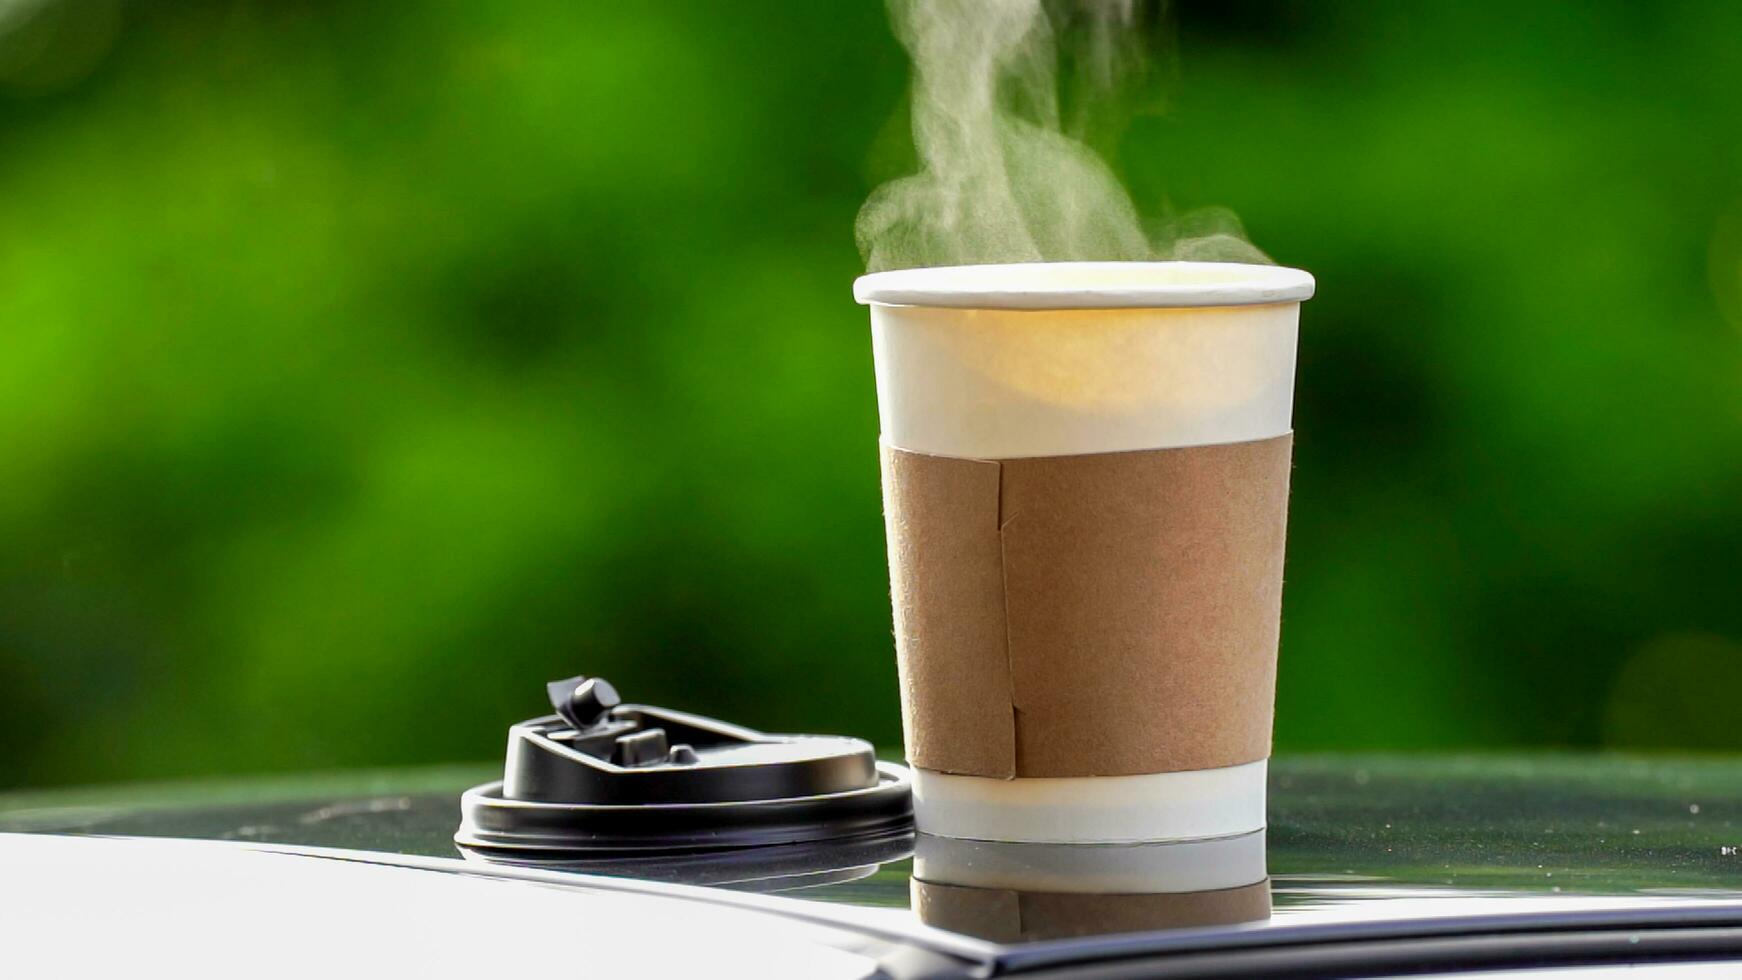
(602, 779)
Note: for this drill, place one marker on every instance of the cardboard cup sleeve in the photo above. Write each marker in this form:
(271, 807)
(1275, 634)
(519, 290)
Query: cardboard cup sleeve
(1101, 614)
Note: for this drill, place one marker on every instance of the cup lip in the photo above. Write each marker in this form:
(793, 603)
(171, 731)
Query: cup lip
(1086, 285)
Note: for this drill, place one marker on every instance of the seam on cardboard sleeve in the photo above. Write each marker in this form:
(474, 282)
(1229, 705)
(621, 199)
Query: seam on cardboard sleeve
(1004, 521)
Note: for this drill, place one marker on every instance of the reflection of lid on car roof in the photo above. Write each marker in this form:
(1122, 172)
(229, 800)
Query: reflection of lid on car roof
(600, 777)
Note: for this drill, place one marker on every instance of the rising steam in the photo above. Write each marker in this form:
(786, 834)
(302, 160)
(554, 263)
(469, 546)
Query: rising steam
(1001, 178)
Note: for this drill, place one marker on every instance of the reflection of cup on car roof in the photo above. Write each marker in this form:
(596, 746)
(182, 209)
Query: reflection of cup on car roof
(1011, 892)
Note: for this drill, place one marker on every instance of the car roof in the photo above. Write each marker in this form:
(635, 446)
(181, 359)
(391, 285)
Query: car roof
(1357, 846)
(90, 905)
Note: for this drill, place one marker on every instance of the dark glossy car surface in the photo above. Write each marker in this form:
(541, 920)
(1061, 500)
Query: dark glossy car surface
(1377, 865)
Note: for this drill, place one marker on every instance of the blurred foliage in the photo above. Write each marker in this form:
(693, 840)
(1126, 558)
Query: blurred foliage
(363, 365)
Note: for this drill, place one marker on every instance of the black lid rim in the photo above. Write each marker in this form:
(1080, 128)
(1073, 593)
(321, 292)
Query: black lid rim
(490, 822)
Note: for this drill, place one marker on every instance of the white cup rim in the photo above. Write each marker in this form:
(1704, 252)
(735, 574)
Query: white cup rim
(1086, 285)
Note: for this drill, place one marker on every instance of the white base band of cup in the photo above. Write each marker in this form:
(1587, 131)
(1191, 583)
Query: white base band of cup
(1177, 867)
(1163, 806)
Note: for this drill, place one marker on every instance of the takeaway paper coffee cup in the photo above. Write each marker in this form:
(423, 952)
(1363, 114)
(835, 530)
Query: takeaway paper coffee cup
(1009, 892)
(1085, 476)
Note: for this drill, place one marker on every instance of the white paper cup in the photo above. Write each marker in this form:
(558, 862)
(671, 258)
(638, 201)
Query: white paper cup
(1057, 359)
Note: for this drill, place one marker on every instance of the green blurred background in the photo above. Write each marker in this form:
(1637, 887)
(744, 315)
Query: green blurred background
(364, 365)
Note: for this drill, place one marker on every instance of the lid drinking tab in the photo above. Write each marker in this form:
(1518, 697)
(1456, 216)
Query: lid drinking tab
(601, 776)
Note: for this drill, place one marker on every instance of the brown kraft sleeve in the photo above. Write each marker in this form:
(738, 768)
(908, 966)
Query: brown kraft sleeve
(1094, 615)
